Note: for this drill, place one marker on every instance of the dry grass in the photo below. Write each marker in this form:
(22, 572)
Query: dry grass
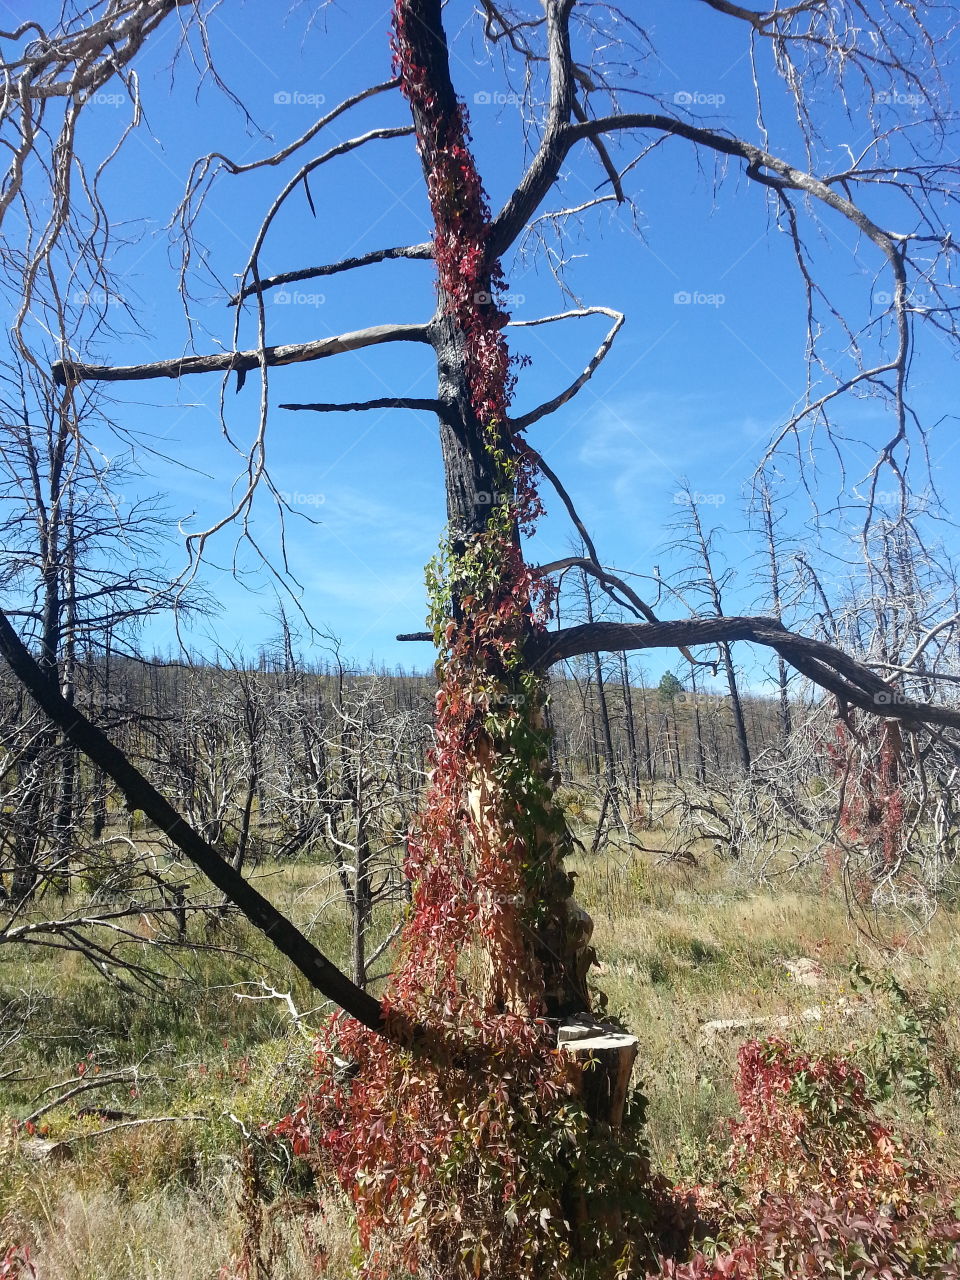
(103, 1235)
(683, 946)
(174, 1235)
(679, 947)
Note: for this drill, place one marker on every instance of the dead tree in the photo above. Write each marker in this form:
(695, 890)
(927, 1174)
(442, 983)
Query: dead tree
(769, 521)
(570, 121)
(491, 819)
(630, 726)
(67, 536)
(700, 578)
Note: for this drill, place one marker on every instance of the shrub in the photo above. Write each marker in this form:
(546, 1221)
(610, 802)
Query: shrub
(816, 1185)
(815, 1237)
(470, 1173)
(808, 1122)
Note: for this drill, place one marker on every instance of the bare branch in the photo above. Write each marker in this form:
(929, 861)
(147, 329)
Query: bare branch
(300, 178)
(822, 663)
(545, 166)
(203, 172)
(551, 406)
(411, 251)
(65, 371)
(384, 402)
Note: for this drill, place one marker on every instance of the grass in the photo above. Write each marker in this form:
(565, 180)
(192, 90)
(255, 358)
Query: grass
(680, 947)
(173, 1234)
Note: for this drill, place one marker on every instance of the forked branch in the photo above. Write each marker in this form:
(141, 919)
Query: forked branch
(551, 406)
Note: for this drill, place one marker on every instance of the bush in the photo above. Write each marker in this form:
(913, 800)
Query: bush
(808, 1122)
(816, 1186)
(496, 1172)
(814, 1237)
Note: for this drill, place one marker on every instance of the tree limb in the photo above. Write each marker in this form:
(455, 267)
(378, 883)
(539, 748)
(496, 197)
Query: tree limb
(822, 663)
(412, 251)
(550, 406)
(385, 402)
(611, 584)
(141, 794)
(242, 361)
(545, 166)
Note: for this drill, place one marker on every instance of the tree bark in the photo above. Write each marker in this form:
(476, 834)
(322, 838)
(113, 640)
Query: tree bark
(474, 482)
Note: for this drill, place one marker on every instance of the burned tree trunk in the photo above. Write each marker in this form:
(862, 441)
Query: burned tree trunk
(603, 709)
(485, 613)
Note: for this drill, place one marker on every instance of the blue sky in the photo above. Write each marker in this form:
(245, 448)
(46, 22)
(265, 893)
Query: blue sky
(692, 390)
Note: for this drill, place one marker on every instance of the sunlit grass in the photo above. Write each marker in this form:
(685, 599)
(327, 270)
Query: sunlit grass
(679, 946)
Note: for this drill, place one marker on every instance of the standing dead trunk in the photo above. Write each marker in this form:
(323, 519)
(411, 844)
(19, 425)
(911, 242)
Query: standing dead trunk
(736, 707)
(603, 708)
(362, 898)
(773, 560)
(647, 754)
(701, 769)
(631, 728)
(64, 815)
(710, 584)
(483, 468)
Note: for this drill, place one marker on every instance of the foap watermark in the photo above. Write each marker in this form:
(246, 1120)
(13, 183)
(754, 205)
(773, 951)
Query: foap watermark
(486, 899)
(295, 298)
(96, 298)
(104, 99)
(682, 498)
(297, 98)
(884, 298)
(503, 698)
(890, 698)
(887, 497)
(298, 499)
(696, 98)
(484, 299)
(705, 701)
(697, 298)
(489, 98)
(893, 98)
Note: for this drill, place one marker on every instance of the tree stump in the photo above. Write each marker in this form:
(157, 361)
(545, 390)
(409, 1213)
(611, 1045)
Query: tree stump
(601, 1058)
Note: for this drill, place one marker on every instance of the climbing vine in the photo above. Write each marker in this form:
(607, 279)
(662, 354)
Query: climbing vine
(872, 812)
(470, 1159)
(474, 855)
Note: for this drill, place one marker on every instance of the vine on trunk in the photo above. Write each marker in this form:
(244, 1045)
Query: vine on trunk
(468, 1161)
(872, 812)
